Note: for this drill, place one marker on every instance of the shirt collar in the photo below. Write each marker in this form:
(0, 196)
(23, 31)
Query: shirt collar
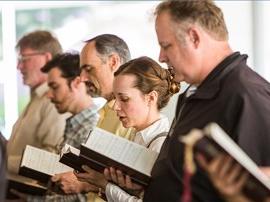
(40, 90)
(211, 85)
(149, 133)
(87, 113)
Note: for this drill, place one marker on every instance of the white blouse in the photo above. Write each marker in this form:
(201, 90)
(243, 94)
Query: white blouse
(113, 192)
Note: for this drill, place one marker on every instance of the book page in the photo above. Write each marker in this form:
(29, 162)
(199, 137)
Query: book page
(218, 135)
(121, 150)
(43, 161)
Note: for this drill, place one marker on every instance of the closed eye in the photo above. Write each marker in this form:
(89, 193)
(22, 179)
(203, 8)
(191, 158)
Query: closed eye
(124, 99)
(86, 68)
(165, 47)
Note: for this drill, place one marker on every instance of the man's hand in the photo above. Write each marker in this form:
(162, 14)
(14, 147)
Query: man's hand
(227, 176)
(69, 183)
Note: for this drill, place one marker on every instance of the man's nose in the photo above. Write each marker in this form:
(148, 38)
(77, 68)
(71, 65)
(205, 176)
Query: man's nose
(19, 65)
(116, 106)
(162, 56)
(84, 76)
(49, 94)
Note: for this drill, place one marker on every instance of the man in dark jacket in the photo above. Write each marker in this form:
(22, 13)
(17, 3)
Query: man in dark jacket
(193, 42)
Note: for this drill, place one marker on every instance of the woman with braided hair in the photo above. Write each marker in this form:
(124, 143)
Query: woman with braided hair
(141, 88)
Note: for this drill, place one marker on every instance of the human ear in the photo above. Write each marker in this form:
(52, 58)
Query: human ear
(152, 97)
(194, 36)
(48, 56)
(114, 62)
(76, 82)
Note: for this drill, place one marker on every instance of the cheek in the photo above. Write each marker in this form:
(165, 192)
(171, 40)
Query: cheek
(138, 112)
(129, 111)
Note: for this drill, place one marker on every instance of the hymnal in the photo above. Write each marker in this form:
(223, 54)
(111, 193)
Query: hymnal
(40, 164)
(104, 149)
(212, 141)
(24, 185)
(70, 156)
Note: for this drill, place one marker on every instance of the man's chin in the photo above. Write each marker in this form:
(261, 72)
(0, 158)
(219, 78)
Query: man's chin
(61, 111)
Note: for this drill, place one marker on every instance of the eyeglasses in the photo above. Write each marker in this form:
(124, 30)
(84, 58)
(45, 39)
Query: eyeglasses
(23, 58)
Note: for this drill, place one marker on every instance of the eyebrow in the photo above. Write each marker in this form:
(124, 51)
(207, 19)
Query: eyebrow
(123, 94)
(85, 66)
(51, 83)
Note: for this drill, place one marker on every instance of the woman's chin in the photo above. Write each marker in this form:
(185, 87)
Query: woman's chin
(126, 124)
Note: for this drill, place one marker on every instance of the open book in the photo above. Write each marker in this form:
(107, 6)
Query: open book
(104, 149)
(24, 185)
(212, 141)
(40, 164)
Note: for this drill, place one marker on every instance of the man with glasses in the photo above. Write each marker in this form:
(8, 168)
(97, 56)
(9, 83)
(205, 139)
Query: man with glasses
(39, 125)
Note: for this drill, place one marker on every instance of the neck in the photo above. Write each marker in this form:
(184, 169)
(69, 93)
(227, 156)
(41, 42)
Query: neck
(32, 88)
(152, 118)
(108, 97)
(84, 102)
(213, 58)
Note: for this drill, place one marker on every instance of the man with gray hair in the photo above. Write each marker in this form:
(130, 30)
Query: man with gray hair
(99, 59)
(39, 125)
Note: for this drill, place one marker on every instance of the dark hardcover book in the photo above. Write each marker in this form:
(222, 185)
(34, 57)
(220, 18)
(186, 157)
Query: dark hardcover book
(104, 149)
(212, 141)
(70, 156)
(40, 165)
(24, 185)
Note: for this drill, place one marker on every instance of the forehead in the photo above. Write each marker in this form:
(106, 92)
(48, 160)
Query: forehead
(164, 25)
(125, 81)
(89, 54)
(26, 50)
(54, 75)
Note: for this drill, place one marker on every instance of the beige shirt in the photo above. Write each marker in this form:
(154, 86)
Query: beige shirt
(39, 125)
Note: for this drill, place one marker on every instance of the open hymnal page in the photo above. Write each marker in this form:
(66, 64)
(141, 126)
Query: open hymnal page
(218, 135)
(122, 150)
(43, 161)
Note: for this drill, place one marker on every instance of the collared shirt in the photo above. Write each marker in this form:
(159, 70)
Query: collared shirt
(144, 137)
(39, 125)
(80, 125)
(76, 132)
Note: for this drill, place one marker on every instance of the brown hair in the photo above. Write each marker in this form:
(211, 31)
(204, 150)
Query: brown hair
(149, 76)
(203, 12)
(42, 41)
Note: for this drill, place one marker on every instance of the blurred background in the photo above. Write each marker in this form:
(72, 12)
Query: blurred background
(75, 21)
